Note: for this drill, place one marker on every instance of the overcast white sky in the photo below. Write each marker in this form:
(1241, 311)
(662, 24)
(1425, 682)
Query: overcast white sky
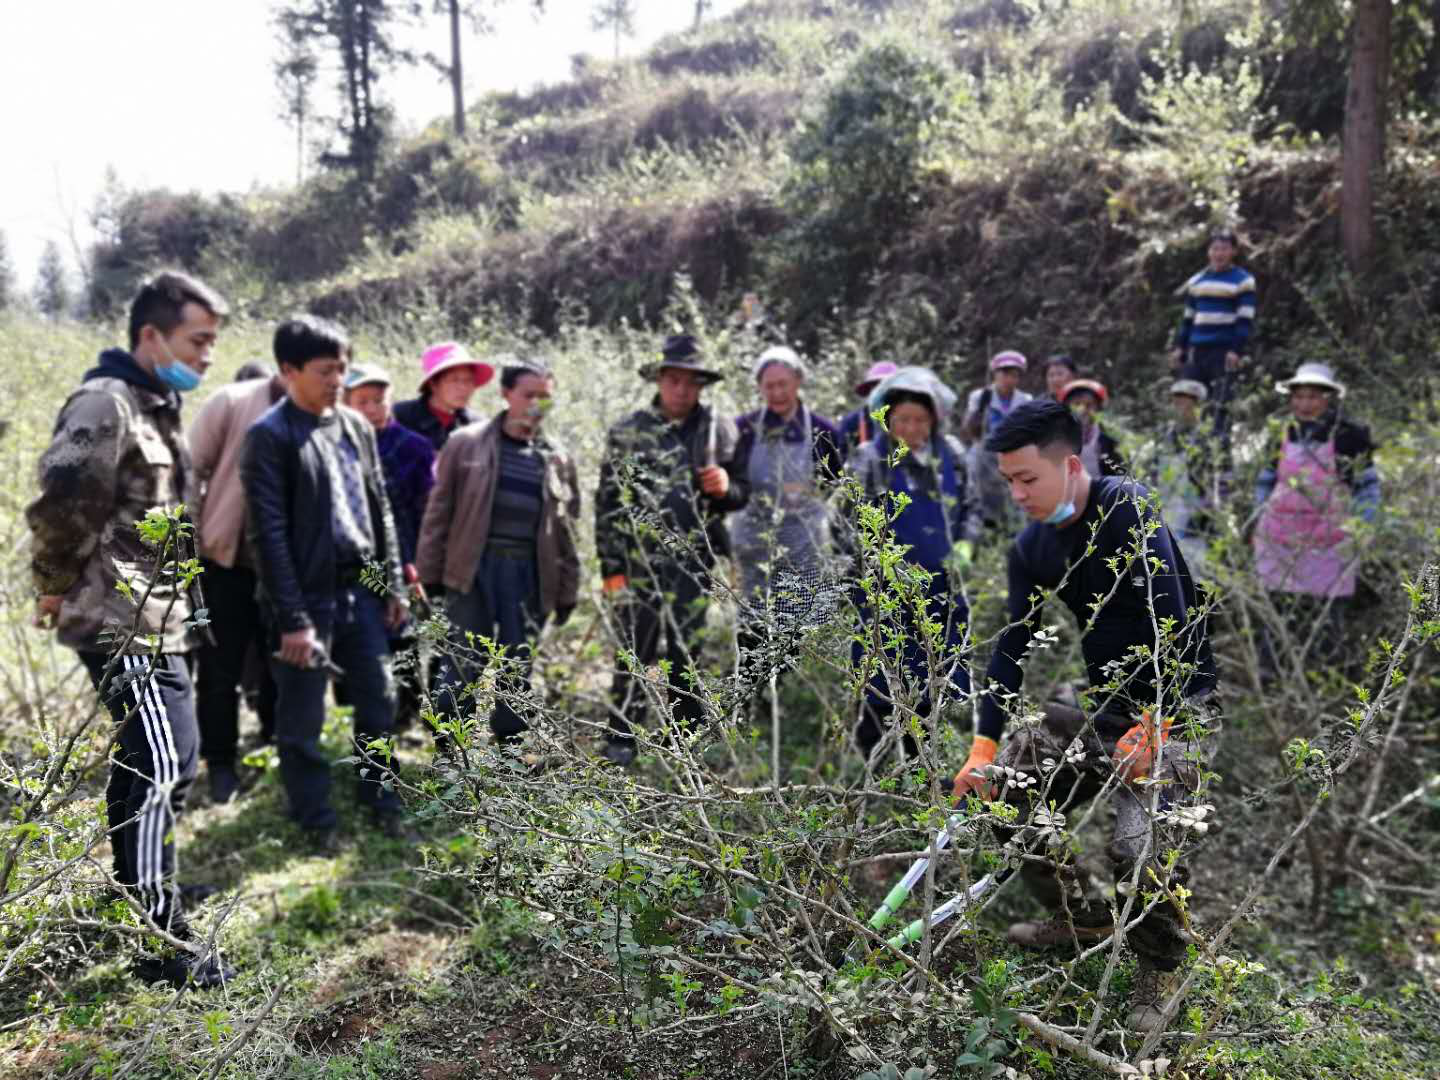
(179, 94)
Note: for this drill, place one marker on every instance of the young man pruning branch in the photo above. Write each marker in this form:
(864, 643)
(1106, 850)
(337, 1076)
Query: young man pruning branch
(1101, 548)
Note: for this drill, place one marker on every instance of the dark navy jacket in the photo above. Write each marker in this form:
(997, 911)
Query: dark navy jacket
(415, 414)
(409, 463)
(1043, 556)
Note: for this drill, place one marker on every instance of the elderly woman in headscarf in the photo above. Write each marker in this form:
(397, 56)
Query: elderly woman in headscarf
(938, 527)
(782, 537)
(1318, 473)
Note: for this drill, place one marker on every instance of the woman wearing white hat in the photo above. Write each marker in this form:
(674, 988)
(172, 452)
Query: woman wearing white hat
(938, 527)
(782, 536)
(1317, 475)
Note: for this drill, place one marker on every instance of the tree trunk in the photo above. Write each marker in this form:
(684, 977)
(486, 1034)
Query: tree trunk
(367, 92)
(1363, 153)
(350, 54)
(300, 142)
(457, 82)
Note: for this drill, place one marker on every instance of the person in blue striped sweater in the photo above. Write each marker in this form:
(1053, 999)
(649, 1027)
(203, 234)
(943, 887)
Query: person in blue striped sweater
(1214, 334)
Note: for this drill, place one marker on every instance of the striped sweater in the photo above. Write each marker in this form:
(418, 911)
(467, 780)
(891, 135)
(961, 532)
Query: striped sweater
(1219, 310)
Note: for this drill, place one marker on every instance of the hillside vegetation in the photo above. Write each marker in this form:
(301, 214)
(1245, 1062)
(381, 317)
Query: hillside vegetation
(901, 179)
(1055, 186)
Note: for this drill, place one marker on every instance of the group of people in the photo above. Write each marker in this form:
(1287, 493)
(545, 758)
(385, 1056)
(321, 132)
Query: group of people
(321, 510)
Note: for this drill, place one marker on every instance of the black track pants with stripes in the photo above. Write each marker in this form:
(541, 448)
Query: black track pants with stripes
(150, 772)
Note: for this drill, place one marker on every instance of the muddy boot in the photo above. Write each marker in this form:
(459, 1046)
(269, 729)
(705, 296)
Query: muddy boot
(1054, 932)
(1148, 994)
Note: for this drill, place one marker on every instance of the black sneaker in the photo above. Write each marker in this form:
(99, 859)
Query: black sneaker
(185, 969)
(619, 753)
(224, 783)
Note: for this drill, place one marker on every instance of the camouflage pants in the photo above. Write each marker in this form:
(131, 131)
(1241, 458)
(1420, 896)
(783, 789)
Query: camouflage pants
(1068, 784)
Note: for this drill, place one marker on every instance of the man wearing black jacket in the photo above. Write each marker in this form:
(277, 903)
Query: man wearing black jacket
(670, 475)
(318, 514)
(1100, 546)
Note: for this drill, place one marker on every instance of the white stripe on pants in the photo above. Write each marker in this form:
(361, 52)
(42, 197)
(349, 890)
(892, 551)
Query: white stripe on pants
(155, 819)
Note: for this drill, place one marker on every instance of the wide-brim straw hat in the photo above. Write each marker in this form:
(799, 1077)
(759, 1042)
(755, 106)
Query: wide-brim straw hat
(1319, 375)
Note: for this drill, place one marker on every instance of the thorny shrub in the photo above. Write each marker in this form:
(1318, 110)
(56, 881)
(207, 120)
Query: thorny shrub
(718, 886)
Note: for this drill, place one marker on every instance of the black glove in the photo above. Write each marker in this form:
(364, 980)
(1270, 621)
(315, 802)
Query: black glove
(563, 613)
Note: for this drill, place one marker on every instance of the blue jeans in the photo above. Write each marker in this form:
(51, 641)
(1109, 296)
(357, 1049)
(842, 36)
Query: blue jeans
(357, 641)
(503, 605)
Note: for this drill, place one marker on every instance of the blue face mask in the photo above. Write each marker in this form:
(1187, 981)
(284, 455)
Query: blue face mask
(1065, 508)
(179, 377)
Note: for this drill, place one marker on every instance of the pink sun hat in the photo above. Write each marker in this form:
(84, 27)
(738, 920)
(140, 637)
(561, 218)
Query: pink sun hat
(450, 354)
(878, 371)
(1009, 358)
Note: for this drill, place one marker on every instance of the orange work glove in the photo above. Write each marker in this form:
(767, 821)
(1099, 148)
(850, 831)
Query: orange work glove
(614, 583)
(982, 753)
(714, 481)
(1139, 748)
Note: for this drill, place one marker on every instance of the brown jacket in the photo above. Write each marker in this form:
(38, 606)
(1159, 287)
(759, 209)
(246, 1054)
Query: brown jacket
(217, 438)
(457, 518)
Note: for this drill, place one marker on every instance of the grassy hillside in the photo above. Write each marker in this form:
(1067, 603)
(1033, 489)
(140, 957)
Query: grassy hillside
(1058, 191)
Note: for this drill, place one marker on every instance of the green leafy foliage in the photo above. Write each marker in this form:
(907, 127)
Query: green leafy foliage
(857, 175)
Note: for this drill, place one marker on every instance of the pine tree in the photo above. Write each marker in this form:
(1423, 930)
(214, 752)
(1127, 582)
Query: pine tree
(617, 16)
(362, 36)
(457, 12)
(52, 288)
(295, 71)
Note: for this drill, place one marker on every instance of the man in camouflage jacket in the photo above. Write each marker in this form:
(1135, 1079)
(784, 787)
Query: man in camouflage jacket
(117, 452)
(670, 475)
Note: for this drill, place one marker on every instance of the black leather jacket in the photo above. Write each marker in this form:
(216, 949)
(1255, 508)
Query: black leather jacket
(288, 524)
